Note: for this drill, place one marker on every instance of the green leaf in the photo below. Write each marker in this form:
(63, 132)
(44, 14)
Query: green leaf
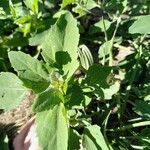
(63, 36)
(39, 38)
(144, 137)
(141, 25)
(66, 2)
(12, 9)
(113, 89)
(84, 6)
(93, 139)
(33, 5)
(104, 51)
(142, 108)
(97, 75)
(99, 26)
(31, 71)
(47, 99)
(74, 95)
(52, 128)
(74, 138)
(12, 91)
(14, 40)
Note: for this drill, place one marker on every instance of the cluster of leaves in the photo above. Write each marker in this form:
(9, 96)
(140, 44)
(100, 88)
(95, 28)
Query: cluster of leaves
(87, 61)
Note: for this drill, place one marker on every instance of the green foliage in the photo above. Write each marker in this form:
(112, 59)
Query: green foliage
(52, 130)
(88, 62)
(31, 71)
(141, 25)
(47, 99)
(12, 90)
(93, 139)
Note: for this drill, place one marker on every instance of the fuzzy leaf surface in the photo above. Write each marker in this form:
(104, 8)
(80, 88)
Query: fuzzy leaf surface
(31, 71)
(93, 139)
(47, 99)
(12, 91)
(52, 128)
(62, 36)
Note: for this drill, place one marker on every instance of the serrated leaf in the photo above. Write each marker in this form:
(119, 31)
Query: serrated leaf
(62, 36)
(52, 129)
(141, 25)
(12, 91)
(93, 139)
(31, 71)
(47, 99)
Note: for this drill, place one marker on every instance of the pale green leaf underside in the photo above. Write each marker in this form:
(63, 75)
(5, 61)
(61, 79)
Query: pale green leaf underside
(52, 128)
(31, 71)
(141, 25)
(93, 139)
(12, 91)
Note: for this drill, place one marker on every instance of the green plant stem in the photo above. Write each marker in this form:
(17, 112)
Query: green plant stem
(118, 106)
(106, 37)
(112, 41)
(131, 81)
(104, 132)
(127, 127)
(136, 119)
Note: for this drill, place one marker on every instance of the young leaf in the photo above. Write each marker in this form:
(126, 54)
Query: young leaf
(52, 128)
(93, 139)
(12, 91)
(63, 36)
(33, 5)
(31, 71)
(141, 25)
(47, 99)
